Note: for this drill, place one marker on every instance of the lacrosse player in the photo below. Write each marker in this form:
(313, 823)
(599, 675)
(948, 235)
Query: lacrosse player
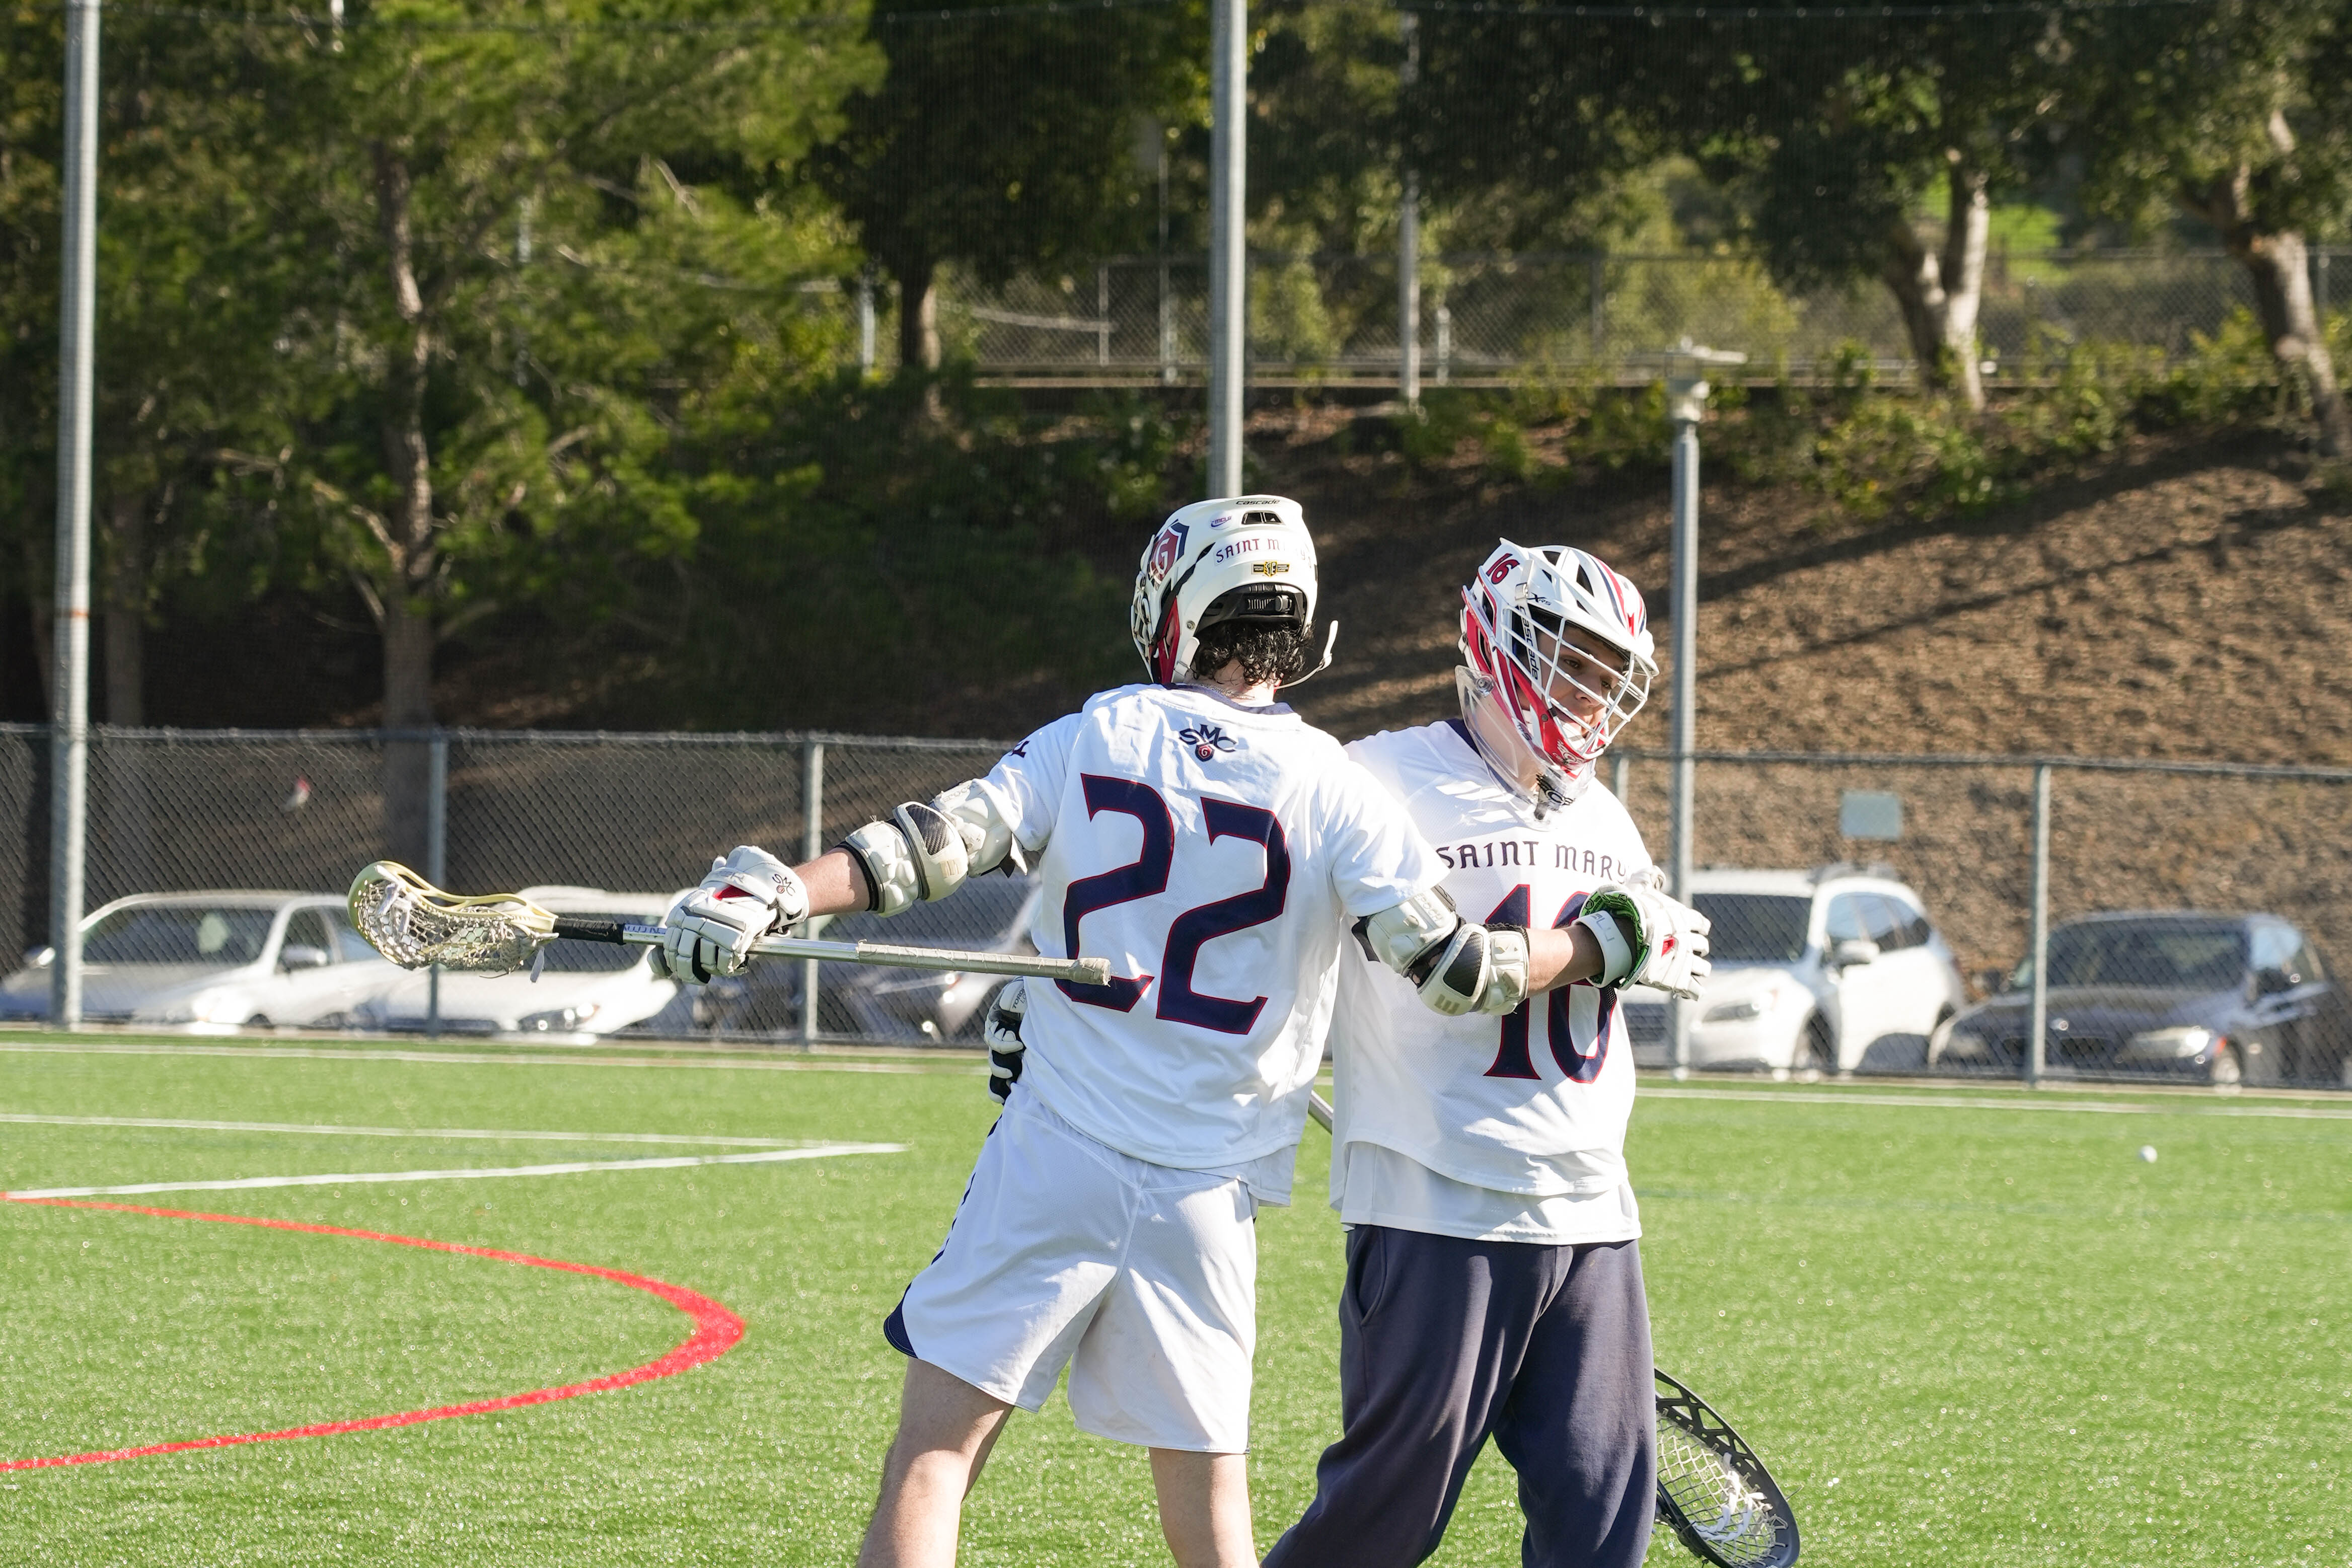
(1494, 1283)
(1217, 851)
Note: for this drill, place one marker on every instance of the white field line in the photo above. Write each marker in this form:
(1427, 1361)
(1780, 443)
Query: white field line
(462, 1059)
(26, 1118)
(1961, 1103)
(357, 1179)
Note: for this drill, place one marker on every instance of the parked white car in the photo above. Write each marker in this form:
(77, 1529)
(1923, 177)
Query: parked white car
(214, 961)
(584, 988)
(1836, 969)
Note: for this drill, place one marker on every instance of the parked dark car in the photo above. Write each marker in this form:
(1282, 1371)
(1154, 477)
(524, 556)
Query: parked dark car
(2220, 999)
(915, 1007)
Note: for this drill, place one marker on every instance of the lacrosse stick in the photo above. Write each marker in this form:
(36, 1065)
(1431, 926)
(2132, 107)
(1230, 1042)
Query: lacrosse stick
(1713, 1492)
(416, 924)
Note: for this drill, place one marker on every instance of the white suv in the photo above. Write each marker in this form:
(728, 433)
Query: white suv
(1834, 970)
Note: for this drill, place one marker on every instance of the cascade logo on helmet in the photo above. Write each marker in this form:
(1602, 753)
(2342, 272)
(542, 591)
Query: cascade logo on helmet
(1557, 658)
(1181, 592)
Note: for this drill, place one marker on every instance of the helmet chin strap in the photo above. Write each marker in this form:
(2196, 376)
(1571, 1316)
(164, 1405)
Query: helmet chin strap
(1330, 639)
(1528, 779)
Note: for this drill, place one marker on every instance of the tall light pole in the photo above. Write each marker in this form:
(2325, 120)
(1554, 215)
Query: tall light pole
(1686, 394)
(1228, 209)
(70, 701)
(1409, 237)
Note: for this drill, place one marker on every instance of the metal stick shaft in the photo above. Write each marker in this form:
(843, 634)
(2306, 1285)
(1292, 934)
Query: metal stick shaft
(1078, 971)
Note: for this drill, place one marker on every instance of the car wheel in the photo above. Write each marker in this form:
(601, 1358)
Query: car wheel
(2227, 1070)
(1816, 1051)
(260, 1021)
(332, 1021)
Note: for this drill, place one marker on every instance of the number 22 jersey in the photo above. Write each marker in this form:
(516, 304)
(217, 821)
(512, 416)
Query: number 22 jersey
(1216, 855)
(1510, 1127)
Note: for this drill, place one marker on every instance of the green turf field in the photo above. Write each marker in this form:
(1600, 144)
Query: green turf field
(1964, 1327)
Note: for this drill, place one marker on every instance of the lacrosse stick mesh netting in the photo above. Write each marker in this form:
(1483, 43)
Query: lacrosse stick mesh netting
(415, 923)
(1727, 1512)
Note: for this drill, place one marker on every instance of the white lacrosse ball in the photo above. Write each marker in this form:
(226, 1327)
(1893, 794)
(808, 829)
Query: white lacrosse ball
(2148, 1153)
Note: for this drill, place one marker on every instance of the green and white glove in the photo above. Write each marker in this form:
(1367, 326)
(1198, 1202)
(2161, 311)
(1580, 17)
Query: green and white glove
(1647, 938)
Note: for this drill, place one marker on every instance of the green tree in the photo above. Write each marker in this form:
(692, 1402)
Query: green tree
(1005, 139)
(505, 294)
(32, 68)
(1877, 147)
(2238, 114)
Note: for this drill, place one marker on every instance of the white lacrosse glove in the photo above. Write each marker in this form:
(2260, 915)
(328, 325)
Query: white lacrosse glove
(709, 931)
(1003, 1032)
(1647, 938)
(1508, 953)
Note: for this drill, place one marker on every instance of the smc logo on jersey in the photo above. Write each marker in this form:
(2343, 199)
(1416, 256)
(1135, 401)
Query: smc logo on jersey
(1205, 740)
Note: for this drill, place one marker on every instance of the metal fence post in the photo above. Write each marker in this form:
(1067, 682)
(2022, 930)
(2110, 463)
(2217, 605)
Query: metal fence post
(812, 846)
(436, 861)
(2038, 939)
(1597, 284)
(1620, 773)
(1102, 315)
(866, 321)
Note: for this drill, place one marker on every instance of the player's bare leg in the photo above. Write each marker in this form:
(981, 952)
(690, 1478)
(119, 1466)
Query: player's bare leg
(946, 1427)
(1205, 1508)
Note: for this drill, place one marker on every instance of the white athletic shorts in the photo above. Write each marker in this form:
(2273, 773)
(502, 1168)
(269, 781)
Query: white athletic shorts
(1140, 1278)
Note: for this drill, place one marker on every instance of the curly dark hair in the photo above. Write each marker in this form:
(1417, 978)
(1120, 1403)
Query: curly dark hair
(1266, 651)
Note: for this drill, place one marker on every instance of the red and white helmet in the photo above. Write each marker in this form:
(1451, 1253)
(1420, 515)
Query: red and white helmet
(1525, 684)
(1247, 558)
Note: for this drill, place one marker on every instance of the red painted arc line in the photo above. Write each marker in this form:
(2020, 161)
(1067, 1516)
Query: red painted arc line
(716, 1331)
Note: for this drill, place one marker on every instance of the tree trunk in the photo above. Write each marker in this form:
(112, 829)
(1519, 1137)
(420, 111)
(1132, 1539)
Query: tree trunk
(40, 604)
(1941, 294)
(919, 314)
(125, 626)
(403, 597)
(2278, 263)
(2280, 267)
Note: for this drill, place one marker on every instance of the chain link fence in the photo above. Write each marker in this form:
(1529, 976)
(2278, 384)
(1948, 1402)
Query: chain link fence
(2189, 917)
(1873, 913)
(1488, 318)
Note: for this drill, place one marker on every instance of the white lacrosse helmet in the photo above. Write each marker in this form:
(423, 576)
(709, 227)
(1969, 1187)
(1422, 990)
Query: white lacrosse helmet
(1525, 684)
(1247, 558)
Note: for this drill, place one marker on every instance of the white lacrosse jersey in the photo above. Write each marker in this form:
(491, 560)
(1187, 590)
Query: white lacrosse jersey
(1506, 1125)
(1216, 855)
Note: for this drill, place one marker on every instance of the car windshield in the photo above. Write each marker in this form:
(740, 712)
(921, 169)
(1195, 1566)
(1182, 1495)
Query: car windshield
(597, 958)
(2171, 956)
(1755, 927)
(178, 934)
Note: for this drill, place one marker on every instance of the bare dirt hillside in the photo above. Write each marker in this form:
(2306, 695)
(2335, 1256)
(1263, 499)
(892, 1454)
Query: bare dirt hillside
(2187, 599)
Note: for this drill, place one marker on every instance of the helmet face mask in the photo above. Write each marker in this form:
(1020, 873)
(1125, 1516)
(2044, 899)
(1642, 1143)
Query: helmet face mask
(1247, 560)
(1558, 658)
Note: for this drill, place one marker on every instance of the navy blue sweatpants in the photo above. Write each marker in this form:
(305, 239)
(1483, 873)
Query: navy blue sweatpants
(1443, 1342)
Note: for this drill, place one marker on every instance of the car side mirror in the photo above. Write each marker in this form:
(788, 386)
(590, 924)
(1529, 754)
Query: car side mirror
(1991, 982)
(297, 955)
(40, 957)
(1852, 950)
(2271, 982)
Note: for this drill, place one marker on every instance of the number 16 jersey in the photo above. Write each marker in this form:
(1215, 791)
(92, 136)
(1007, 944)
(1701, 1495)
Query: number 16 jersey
(1216, 855)
(1534, 1102)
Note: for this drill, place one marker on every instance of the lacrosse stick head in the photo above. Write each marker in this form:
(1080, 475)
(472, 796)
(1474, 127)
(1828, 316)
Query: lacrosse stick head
(416, 924)
(1714, 1491)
